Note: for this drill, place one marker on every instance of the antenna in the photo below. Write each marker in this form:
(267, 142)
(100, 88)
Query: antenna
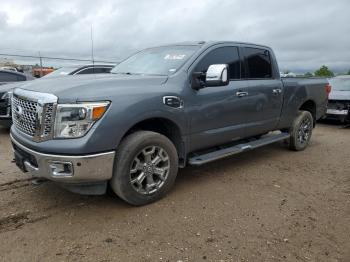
(92, 48)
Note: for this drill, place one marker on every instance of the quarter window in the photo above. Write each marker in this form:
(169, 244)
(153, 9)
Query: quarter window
(258, 63)
(222, 55)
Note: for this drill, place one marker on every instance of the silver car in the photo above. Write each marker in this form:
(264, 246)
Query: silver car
(339, 99)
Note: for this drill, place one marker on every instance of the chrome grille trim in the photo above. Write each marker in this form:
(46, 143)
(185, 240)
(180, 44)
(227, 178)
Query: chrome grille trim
(49, 119)
(24, 120)
(33, 113)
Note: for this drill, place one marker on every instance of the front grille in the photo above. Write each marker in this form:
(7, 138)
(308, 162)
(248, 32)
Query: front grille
(24, 115)
(34, 113)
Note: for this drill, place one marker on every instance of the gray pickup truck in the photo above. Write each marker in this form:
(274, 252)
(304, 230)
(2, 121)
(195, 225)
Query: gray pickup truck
(160, 109)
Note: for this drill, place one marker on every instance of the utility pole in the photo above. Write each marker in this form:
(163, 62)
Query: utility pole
(41, 65)
(92, 49)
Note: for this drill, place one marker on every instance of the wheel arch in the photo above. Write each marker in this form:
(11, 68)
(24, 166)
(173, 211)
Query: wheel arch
(163, 126)
(309, 106)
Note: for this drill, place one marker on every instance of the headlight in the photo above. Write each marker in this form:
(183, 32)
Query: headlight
(75, 120)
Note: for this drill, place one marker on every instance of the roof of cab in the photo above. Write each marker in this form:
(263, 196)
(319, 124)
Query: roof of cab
(211, 43)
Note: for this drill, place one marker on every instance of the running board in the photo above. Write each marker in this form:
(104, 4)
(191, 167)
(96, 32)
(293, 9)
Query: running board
(201, 159)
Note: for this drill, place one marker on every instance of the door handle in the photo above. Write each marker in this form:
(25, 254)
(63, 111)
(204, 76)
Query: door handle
(277, 91)
(241, 94)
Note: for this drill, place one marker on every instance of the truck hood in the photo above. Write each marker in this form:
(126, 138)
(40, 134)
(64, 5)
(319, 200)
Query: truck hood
(10, 86)
(92, 87)
(339, 95)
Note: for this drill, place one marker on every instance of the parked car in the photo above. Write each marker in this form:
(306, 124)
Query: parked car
(160, 109)
(6, 78)
(339, 99)
(5, 107)
(81, 69)
(9, 76)
(9, 68)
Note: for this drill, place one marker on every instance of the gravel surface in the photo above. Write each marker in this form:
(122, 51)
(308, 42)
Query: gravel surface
(270, 204)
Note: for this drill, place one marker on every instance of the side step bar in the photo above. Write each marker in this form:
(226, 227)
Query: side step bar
(201, 159)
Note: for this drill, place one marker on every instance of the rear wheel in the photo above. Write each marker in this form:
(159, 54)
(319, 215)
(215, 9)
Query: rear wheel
(145, 168)
(301, 131)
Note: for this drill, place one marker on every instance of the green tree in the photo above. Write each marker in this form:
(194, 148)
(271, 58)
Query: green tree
(324, 71)
(348, 72)
(308, 74)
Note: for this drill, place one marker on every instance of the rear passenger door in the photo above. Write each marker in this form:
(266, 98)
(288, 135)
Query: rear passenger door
(264, 90)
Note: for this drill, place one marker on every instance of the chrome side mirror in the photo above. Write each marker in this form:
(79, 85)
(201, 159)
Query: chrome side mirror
(217, 75)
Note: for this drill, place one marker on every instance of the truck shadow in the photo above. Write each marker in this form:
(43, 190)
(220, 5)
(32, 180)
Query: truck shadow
(335, 123)
(232, 165)
(4, 131)
(187, 178)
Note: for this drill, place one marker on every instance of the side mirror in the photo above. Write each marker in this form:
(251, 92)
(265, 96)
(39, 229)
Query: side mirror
(217, 75)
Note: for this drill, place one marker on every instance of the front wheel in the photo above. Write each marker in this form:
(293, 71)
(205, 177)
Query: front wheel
(301, 131)
(145, 168)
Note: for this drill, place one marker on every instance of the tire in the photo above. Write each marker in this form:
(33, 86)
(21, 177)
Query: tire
(136, 178)
(301, 131)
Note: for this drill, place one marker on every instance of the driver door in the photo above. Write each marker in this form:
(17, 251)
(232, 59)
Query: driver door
(218, 114)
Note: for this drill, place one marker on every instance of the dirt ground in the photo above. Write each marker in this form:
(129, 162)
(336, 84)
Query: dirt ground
(270, 204)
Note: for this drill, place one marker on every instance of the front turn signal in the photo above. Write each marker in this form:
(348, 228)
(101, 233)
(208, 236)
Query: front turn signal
(98, 112)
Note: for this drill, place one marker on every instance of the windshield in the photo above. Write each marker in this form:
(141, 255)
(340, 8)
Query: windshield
(340, 84)
(156, 61)
(63, 71)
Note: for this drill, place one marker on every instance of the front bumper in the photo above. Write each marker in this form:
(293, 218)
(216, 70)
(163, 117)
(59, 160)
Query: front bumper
(64, 168)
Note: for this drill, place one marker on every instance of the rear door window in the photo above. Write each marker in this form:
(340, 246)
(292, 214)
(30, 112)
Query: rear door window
(105, 69)
(96, 70)
(257, 63)
(222, 55)
(86, 71)
(102, 70)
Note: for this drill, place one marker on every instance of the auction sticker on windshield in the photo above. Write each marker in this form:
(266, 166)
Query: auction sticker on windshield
(174, 57)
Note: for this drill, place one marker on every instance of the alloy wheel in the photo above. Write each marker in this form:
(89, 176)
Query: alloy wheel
(304, 131)
(149, 170)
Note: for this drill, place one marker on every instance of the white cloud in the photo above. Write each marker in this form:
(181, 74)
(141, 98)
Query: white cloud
(304, 34)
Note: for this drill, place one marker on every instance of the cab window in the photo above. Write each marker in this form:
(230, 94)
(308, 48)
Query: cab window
(257, 63)
(222, 55)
